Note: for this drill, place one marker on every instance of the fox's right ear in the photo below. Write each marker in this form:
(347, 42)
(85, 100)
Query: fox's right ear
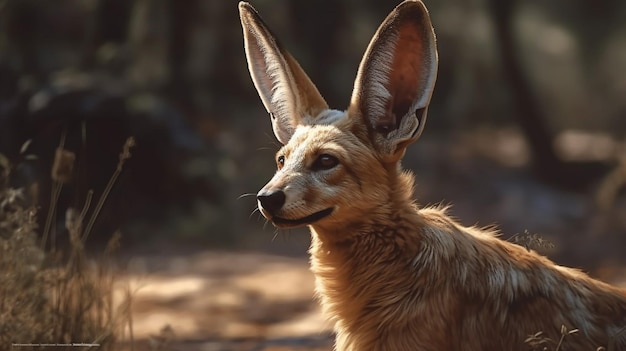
(286, 91)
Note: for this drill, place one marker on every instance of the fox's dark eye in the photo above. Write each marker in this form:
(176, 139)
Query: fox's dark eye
(280, 161)
(324, 162)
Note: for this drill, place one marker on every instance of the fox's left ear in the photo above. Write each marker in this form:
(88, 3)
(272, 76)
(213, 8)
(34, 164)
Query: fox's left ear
(285, 89)
(396, 79)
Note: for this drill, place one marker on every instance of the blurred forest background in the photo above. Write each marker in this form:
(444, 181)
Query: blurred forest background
(526, 126)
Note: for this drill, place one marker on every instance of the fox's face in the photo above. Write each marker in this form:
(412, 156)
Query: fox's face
(336, 167)
(324, 175)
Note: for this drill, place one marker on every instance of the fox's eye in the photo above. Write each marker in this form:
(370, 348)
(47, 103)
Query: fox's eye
(325, 161)
(280, 161)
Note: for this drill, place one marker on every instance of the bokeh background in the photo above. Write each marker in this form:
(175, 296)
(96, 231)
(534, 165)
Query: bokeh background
(526, 126)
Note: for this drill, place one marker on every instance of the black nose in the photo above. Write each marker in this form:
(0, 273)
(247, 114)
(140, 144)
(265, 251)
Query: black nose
(271, 200)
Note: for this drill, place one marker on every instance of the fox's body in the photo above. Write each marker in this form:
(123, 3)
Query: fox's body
(421, 281)
(390, 275)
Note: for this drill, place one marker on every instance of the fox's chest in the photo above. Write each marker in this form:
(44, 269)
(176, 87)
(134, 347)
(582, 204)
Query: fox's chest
(383, 309)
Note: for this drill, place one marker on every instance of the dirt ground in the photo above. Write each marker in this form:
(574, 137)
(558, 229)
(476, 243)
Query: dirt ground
(224, 301)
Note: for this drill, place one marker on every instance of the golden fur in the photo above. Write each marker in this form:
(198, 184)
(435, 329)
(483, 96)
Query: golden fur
(390, 275)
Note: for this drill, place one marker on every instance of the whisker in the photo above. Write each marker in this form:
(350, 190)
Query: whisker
(256, 209)
(276, 233)
(264, 148)
(245, 195)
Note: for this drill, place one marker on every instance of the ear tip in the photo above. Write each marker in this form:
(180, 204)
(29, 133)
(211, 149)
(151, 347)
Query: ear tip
(245, 9)
(416, 12)
(412, 3)
(412, 8)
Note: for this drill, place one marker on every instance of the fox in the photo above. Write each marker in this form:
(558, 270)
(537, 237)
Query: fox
(389, 274)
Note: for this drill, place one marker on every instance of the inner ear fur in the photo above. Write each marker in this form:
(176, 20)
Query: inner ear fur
(396, 78)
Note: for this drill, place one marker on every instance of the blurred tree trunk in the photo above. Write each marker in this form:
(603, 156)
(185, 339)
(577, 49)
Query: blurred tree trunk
(109, 26)
(182, 15)
(317, 27)
(22, 21)
(529, 114)
(577, 176)
(601, 19)
(148, 43)
(227, 39)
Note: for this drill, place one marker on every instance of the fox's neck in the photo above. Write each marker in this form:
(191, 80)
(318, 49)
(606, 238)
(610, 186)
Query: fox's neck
(352, 263)
(393, 208)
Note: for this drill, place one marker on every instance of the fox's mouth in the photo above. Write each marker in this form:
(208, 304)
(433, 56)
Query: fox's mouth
(284, 222)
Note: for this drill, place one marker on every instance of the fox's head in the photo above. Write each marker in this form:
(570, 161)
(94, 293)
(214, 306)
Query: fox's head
(339, 168)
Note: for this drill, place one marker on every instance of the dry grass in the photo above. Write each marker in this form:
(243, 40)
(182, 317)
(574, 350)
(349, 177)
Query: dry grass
(539, 342)
(51, 299)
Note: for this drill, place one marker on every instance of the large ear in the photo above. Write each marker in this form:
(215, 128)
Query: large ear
(396, 79)
(287, 92)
